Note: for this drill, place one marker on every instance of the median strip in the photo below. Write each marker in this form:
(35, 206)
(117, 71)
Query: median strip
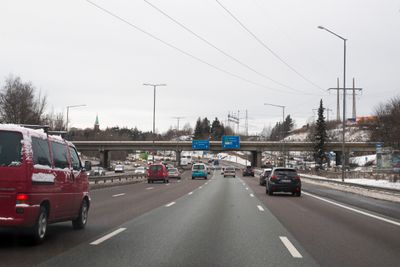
(108, 236)
(295, 253)
(353, 209)
(170, 204)
(118, 195)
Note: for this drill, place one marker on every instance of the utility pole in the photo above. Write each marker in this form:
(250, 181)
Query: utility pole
(354, 98)
(234, 119)
(178, 119)
(247, 123)
(337, 99)
(154, 111)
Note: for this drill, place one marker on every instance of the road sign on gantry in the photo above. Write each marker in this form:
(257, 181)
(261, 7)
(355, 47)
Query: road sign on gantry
(230, 142)
(200, 144)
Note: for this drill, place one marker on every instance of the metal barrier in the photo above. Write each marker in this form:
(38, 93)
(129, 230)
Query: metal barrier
(120, 177)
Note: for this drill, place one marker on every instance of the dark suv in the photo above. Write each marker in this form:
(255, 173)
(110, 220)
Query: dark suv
(248, 171)
(283, 180)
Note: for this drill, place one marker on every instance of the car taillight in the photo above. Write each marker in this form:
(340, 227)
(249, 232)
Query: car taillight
(297, 178)
(22, 199)
(273, 177)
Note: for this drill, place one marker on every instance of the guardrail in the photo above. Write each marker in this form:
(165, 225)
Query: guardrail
(119, 177)
(369, 187)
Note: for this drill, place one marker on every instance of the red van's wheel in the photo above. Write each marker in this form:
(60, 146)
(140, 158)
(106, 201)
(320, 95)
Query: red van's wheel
(39, 230)
(80, 222)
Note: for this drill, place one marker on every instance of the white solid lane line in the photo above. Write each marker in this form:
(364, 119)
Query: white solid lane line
(149, 188)
(295, 253)
(260, 208)
(118, 195)
(107, 236)
(170, 204)
(190, 193)
(251, 195)
(353, 209)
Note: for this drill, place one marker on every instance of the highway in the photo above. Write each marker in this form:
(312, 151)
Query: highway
(218, 222)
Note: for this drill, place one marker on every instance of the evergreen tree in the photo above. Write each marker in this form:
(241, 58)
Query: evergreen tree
(320, 137)
(217, 130)
(198, 129)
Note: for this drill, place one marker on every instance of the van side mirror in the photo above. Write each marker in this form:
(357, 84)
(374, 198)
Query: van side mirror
(88, 165)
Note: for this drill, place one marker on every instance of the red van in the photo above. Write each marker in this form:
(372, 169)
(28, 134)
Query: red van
(42, 181)
(157, 172)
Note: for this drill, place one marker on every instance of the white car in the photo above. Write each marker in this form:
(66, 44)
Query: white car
(119, 168)
(140, 170)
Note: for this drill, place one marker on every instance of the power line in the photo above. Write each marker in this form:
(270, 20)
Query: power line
(267, 47)
(182, 51)
(217, 48)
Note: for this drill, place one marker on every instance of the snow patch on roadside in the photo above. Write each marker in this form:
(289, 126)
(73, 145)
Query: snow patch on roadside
(356, 190)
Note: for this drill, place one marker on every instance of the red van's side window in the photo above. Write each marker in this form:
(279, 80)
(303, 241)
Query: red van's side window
(76, 164)
(60, 155)
(10, 149)
(41, 153)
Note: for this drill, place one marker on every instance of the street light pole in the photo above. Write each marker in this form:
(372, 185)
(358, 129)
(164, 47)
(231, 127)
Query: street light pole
(282, 132)
(344, 99)
(68, 107)
(154, 109)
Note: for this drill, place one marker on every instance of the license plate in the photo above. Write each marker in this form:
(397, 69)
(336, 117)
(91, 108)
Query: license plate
(286, 181)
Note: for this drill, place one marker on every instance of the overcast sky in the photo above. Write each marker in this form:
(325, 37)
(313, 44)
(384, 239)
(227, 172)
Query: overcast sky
(77, 54)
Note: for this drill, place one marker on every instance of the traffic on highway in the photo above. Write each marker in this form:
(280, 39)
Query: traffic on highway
(199, 133)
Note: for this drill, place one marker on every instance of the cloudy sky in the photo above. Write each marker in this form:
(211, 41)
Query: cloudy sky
(76, 53)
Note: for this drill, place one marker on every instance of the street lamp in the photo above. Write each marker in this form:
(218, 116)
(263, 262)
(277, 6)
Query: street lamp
(283, 123)
(344, 99)
(68, 107)
(154, 109)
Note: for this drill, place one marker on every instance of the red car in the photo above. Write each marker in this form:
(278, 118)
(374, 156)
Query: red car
(157, 172)
(42, 181)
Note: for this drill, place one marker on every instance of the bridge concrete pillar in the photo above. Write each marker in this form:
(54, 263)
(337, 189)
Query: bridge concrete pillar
(178, 154)
(256, 159)
(105, 158)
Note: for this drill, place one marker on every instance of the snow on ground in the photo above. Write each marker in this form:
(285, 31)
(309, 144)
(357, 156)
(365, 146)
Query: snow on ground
(353, 134)
(363, 160)
(231, 158)
(355, 190)
(363, 181)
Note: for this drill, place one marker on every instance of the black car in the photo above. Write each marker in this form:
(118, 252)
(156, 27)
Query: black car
(283, 180)
(248, 171)
(264, 175)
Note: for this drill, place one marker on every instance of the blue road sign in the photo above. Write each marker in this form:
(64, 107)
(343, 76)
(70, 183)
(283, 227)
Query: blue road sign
(200, 144)
(230, 142)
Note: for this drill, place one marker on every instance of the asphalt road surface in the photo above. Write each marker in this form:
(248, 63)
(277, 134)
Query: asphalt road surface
(218, 222)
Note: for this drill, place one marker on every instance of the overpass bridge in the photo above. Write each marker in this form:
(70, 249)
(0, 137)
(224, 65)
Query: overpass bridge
(255, 147)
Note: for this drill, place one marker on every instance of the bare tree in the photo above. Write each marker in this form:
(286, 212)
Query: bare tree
(18, 103)
(387, 126)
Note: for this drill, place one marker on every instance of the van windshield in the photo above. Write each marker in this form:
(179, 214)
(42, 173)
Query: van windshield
(10, 149)
(198, 167)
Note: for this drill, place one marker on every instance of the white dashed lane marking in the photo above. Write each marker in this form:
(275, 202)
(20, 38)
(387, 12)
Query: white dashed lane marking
(149, 188)
(170, 204)
(260, 208)
(108, 236)
(190, 193)
(251, 195)
(119, 195)
(295, 253)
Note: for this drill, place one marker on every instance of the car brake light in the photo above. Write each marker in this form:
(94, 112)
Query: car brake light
(22, 199)
(273, 177)
(297, 178)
